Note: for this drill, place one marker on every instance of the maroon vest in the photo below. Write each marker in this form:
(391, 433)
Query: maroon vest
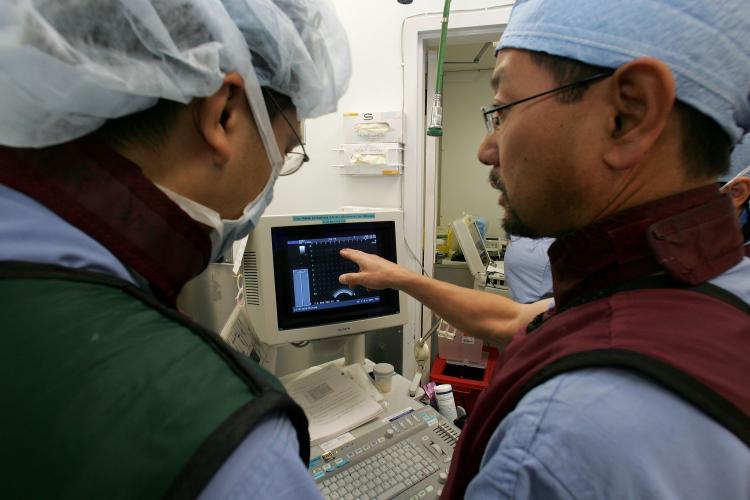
(630, 292)
(107, 197)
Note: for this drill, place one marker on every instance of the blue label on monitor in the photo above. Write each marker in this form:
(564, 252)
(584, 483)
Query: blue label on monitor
(333, 218)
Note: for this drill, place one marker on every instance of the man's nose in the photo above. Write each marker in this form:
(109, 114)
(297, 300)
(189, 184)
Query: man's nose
(488, 151)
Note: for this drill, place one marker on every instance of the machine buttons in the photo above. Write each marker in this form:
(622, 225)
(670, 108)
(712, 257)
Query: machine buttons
(389, 433)
(434, 449)
(442, 478)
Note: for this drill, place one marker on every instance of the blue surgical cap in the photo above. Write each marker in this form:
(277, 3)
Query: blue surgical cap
(70, 65)
(740, 159)
(706, 44)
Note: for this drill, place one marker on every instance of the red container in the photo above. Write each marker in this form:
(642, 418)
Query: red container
(467, 382)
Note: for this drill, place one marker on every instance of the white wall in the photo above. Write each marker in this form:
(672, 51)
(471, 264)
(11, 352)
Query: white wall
(374, 31)
(464, 185)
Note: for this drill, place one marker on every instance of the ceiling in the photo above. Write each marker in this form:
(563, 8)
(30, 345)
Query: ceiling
(460, 57)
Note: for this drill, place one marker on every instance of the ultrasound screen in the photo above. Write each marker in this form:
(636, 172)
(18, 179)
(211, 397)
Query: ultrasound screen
(307, 266)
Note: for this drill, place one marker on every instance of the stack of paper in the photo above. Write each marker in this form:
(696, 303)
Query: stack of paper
(333, 403)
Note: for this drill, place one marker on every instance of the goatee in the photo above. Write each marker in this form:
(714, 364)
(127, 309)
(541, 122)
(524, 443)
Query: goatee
(512, 223)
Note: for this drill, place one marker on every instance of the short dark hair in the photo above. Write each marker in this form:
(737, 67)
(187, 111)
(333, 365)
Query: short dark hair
(705, 145)
(150, 126)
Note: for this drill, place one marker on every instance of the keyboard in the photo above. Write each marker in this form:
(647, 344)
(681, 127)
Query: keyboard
(404, 458)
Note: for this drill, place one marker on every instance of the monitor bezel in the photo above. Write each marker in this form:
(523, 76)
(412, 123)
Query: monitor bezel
(260, 310)
(286, 318)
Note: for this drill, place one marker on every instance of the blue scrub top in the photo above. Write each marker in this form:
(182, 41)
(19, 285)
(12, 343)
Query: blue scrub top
(527, 269)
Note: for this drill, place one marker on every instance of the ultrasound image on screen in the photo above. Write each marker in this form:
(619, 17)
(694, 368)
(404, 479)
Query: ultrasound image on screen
(307, 266)
(316, 266)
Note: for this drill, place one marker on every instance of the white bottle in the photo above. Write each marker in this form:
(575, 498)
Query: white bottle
(446, 403)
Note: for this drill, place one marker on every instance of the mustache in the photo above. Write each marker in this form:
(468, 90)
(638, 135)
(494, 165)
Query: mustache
(496, 182)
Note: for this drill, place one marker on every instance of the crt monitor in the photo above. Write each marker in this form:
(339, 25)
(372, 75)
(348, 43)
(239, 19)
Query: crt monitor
(472, 244)
(291, 267)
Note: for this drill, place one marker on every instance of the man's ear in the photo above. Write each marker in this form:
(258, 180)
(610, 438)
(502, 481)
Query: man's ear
(642, 97)
(739, 191)
(218, 113)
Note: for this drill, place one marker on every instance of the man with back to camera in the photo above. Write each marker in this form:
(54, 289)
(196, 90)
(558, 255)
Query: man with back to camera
(112, 393)
(736, 183)
(635, 385)
(527, 269)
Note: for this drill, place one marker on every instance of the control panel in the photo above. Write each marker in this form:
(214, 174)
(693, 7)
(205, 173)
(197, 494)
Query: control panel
(407, 457)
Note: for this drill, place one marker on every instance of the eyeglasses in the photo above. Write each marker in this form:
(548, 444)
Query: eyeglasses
(491, 115)
(294, 159)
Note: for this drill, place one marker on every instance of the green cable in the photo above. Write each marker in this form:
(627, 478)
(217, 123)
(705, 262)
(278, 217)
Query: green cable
(436, 122)
(441, 47)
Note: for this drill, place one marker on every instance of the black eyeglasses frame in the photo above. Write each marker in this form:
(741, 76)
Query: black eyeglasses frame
(287, 157)
(489, 123)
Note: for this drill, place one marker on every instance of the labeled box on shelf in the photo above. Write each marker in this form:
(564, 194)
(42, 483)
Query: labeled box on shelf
(376, 153)
(378, 126)
(377, 158)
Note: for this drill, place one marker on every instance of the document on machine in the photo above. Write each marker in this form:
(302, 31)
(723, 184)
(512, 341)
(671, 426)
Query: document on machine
(333, 403)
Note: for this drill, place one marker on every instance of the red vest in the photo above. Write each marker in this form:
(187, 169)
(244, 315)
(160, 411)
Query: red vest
(107, 197)
(631, 293)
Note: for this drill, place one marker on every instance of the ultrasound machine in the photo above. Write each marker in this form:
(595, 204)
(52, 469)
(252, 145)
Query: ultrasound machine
(289, 272)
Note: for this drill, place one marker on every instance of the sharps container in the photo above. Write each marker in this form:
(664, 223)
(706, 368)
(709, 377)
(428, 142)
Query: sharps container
(445, 402)
(383, 373)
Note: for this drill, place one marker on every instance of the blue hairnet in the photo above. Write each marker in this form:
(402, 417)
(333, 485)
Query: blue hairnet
(69, 65)
(706, 44)
(740, 159)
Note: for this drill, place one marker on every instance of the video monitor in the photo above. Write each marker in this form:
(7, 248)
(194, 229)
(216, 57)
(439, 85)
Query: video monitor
(292, 267)
(472, 244)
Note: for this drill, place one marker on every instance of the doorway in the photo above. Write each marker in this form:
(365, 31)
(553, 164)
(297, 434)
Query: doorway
(422, 179)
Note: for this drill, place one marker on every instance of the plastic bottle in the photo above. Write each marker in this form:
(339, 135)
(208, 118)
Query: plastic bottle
(446, 403)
